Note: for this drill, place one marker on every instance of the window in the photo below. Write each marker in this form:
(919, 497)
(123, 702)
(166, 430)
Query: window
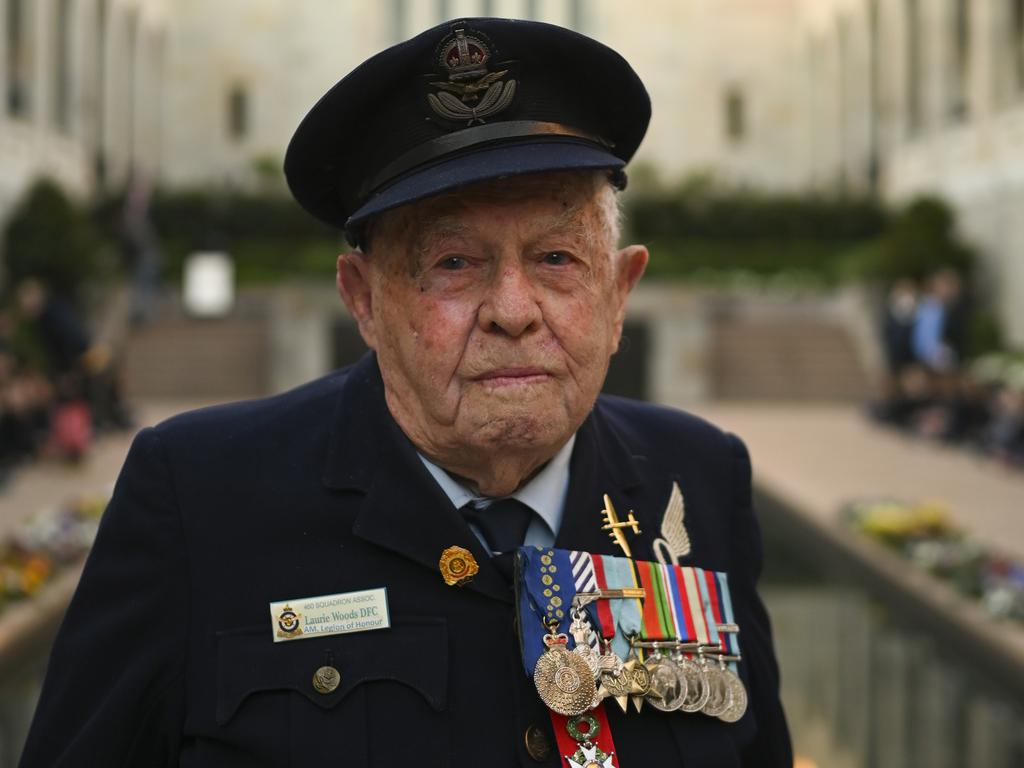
(960, 48)
(874, 97)
(576, 20)
(735, 116)
(238, 113)
(915, 106)
(17, 60)
(1017, 43)
(62, 66)
(398, 12)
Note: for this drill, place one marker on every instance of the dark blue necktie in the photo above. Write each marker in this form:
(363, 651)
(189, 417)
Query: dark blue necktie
(503, 524)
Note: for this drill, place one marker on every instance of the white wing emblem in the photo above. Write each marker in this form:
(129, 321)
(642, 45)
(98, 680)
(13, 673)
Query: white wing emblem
(675, 541)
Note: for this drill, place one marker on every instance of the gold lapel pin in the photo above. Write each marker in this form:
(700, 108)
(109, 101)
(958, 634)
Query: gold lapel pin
(615, 528)
(458, 566)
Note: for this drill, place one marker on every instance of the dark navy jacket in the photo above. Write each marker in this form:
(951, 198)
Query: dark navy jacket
(165, 656)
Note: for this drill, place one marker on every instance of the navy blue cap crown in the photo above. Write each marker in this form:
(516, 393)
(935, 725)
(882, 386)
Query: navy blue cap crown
(467, 101)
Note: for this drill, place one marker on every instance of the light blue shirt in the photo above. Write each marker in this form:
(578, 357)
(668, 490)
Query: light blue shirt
(927, 334)
(544, 494)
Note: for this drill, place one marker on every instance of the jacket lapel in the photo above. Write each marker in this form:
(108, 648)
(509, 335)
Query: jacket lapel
(404, 510)
(601, 464)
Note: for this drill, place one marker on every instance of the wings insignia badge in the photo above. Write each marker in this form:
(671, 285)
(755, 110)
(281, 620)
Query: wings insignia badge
(675, 541)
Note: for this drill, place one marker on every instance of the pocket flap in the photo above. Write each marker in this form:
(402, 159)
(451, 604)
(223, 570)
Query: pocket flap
(413, 652)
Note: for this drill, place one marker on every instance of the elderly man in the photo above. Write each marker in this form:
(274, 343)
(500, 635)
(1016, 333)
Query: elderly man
(287, 581)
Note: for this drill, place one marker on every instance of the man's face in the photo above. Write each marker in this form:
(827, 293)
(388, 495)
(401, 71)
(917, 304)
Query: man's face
(494, 313)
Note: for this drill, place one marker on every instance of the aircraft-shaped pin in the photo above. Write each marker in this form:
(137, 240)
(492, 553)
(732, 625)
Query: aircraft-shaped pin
(614, 527)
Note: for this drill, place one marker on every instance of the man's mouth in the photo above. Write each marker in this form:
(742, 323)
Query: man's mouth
(513, 376)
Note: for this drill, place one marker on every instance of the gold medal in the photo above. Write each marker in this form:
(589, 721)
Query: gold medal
(564, 680)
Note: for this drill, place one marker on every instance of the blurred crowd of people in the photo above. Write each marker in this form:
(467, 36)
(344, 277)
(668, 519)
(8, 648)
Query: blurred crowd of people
(57, 386)
(930, 390)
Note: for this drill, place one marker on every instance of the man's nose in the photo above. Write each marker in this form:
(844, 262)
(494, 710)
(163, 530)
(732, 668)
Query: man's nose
(510, 306)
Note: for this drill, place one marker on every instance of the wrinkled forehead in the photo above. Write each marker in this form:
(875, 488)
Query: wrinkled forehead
(551, 201)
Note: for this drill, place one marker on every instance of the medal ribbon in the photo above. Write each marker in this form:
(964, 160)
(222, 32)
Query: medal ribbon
(628, 613)
(680, 624)
(545, 592)
(654, 620)
(694, 605)
(725, 599)
(709, 605)
(584, 578)
(602, 609)
(684, 619)
(567, 745)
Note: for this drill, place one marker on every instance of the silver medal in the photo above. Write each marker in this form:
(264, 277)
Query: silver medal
(668, 684)
(737, 698)
(718, 692)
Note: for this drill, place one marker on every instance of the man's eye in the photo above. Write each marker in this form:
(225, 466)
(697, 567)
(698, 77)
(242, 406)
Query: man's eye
(556, 258)
(454, 262)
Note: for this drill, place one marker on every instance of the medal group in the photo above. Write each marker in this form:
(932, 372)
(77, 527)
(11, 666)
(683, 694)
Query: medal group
(638, 632)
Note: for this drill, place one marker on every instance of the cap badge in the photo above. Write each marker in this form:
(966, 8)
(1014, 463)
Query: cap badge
(471, 92)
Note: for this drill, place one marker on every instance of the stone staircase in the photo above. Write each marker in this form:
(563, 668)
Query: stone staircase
(177, 356)
(782, 356)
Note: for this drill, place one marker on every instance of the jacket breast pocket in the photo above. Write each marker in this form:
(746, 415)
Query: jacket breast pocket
(388, 708)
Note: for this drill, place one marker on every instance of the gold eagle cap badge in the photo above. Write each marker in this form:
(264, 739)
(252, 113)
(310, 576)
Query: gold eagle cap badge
(472, 93)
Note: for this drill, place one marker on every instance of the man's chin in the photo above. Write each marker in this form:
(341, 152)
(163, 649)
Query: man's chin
(520, 430)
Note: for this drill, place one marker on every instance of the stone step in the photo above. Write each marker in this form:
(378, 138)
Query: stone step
(191, 358)
(784, 359)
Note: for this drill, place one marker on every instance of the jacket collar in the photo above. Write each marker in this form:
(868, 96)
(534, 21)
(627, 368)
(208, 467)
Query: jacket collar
(404, 509)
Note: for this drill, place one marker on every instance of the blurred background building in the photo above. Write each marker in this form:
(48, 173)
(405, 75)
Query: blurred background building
(83, 92)
(895, 97)
(829, 189)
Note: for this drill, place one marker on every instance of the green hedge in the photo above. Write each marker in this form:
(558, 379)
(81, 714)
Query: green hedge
(743, 217)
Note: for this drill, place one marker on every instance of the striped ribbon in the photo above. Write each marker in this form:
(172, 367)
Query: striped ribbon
(707, 605)
(585, 578)
(602, 609)
(732, 640)
(694, 607)
(655, 626)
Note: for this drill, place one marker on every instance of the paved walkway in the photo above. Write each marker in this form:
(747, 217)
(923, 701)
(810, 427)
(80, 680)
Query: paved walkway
(820, 456)
(817, 456)
(46, 484)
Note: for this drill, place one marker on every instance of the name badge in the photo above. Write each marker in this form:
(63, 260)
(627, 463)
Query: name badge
(330, 615)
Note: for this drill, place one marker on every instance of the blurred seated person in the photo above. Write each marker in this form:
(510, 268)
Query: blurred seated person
(26, 398)
(1004, 437)
(82, 369)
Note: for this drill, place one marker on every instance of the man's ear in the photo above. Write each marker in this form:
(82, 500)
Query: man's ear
(354, 287)
(630, 264)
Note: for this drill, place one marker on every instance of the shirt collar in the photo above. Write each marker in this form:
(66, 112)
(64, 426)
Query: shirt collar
(544, 494)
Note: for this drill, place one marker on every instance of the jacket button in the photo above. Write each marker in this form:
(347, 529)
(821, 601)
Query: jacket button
(326, 679)
(538, 744)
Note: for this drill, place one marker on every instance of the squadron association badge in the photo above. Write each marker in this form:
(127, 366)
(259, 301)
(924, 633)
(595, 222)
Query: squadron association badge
(471, 93)
(289, 623)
